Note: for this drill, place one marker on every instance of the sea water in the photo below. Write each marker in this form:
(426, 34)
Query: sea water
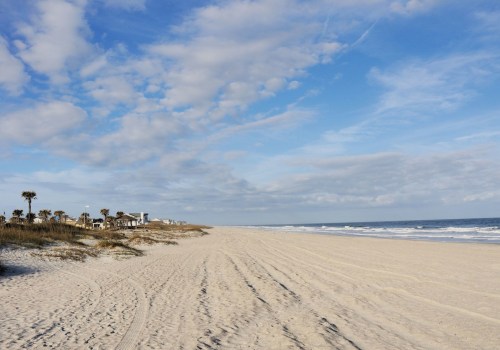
(485, 230)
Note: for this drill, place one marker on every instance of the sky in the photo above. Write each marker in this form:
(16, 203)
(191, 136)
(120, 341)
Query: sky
(252, 112)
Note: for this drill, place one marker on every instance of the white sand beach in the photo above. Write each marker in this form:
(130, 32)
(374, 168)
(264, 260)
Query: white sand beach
(248, 289)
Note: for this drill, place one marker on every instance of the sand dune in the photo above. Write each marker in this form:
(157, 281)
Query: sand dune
(248, 289)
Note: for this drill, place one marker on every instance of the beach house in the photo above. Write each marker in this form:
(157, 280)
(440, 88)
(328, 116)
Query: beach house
(142, 217)
(126, 221)
(98, 224)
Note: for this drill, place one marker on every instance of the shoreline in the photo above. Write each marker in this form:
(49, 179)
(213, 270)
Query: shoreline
(482, 230)
(242, 288)
(444, 241)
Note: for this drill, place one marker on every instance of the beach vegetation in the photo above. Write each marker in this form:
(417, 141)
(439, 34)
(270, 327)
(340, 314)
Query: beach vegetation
(145, 239)
(30, 217)
(44, 214)
(105, 213)
(106, 235)
(110, 221)
(17, 216)
(118, 245)
(59, 214)
(29, 196)
(84, 219)
(176, 228)
(74, 253)
(77, 242)
(38, 235)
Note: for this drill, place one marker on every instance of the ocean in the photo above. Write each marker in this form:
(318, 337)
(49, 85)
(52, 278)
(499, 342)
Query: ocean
(485, 230)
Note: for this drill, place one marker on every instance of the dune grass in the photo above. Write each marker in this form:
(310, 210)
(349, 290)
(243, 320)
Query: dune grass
(125, 248)
(68, 253)
(142, 239)
(106, 234)
(163, 231)
(38, 235)
(65, 240)
(158, 226)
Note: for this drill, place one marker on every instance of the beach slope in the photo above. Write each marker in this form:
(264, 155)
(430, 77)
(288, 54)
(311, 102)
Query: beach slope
(249, 289)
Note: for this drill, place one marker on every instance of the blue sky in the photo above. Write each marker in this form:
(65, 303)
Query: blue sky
(252, 112)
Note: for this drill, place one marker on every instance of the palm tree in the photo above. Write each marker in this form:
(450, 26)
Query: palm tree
(105, 213)
(111, 220)
(16, 215)
(119, 213)
(45, 213)
(84, 218)
(59, 214)
(29, 196)
(30, 217)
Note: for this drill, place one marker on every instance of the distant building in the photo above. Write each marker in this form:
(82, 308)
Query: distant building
(70, 221)
(98, 224)
(142, 218)
(168, 221)
(127, 221)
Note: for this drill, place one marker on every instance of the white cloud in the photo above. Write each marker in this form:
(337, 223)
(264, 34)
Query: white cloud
(485, 135)
(282, 121)
(55, 38)
(381, 180)
(409, 7)
(41, 123)
(293, 85)
(238, 52)
(76, 178)
(230, 54)
(488, 25)
(436, 85)
(94, 66)
(273, 85)
(227, 56)
(138, 138)
(129, 5)
(234, 155)
(394, 179)
(13, 77)
(112, 90)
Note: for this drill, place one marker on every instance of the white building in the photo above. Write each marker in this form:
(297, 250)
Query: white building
(126, 221)
(142, 217)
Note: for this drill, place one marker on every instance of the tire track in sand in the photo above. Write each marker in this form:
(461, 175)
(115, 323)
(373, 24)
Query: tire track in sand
(85, 309)
(131, 337)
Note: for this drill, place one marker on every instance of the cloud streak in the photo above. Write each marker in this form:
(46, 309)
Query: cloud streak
(436, 85)
(13, 77)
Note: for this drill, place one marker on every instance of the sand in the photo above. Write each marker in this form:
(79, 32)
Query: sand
(247, 289)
